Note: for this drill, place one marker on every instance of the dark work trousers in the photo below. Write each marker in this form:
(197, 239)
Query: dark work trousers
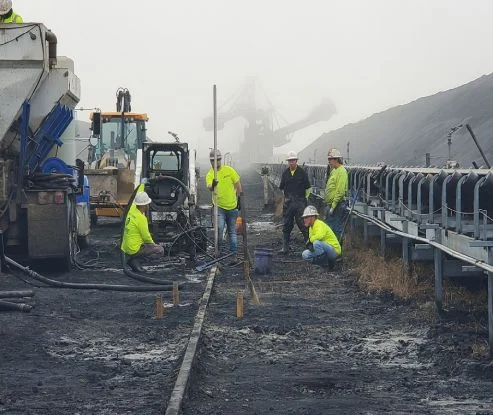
(336, 220)
(291, 212)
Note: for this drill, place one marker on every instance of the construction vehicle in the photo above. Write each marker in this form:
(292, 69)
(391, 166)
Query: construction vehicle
(116, 137)
(261, 135)
(43, 206)
(170, 179)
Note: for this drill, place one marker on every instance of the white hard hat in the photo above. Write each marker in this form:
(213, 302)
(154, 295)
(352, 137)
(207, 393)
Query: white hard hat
(142, 199)
(218, 155)
(5, 6)
(292, 156)
(334, 154)
(310, 211)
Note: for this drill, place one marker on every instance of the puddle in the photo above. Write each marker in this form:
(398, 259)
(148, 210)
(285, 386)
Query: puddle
(396, 348)
(262, 226)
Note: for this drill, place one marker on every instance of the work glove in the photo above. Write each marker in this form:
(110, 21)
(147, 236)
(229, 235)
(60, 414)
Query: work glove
(331, 211)
(309, 245)
(238, 204)
(214, 183)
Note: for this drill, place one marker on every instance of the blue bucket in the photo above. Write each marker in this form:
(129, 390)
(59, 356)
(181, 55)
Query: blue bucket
(263, 260)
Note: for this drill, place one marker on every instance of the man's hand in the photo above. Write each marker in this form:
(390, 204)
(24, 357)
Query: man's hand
(309, 245)
(214, 184)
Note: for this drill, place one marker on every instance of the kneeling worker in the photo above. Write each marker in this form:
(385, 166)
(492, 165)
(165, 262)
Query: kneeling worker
(137, 241)
(324, 247)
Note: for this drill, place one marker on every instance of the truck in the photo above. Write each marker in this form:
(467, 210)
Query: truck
(44, 210)
(111, 156)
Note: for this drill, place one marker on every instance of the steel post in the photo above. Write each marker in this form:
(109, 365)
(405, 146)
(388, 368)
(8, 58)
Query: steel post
(438, 272)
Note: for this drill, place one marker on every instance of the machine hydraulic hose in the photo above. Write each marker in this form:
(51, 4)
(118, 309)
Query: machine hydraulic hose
(8, 306)
(103, 287)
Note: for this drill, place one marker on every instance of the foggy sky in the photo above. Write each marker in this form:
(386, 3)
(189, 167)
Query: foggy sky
(366, 56)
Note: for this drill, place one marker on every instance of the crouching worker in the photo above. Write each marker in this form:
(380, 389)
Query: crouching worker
(323, 246)
(137, 241)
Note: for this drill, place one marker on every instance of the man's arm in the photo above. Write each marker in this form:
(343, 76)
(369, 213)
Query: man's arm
(282, 184)
(238, 188)
(144, 231)
(340, 188)
(317, 233)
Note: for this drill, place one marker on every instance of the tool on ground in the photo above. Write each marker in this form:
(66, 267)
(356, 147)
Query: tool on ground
(247, 261)
(209, 264)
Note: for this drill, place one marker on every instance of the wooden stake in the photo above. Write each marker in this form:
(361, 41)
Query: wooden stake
(176, 293)
(239, 304)
(159, 308)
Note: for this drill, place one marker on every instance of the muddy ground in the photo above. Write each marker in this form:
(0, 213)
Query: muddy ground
(317, 344)
(95, 352)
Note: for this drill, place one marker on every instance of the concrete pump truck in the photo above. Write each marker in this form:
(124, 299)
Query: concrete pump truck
(44, 201)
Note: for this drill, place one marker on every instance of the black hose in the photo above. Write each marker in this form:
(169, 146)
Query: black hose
(102, 287)
(7, 305)
(14, 294)
(144, 278)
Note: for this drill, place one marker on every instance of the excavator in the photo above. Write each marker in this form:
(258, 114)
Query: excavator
(112, 154)
(260, 135)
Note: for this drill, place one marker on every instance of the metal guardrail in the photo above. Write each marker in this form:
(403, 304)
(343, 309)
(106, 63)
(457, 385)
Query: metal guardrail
(437, 214)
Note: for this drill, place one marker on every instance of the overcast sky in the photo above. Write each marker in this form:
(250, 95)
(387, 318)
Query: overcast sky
(366, 56)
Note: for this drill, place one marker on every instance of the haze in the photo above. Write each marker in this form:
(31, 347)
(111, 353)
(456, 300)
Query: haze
(366, 56)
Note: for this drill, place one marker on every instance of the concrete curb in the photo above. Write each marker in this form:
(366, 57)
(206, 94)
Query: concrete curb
(181, 384)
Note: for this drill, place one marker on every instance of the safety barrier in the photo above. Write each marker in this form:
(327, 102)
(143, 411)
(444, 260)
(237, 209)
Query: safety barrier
(439, 215)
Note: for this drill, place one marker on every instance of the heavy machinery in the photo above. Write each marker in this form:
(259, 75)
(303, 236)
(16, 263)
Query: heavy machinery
(40, 215)
(170, 179)
(260, 133)
(116, 137)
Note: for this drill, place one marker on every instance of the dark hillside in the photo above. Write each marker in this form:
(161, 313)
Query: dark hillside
(402, 135)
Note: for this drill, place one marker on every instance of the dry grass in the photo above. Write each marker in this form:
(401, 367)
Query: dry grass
(376, 274)
(479, 350)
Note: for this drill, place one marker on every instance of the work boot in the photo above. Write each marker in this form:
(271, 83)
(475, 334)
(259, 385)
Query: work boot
(285, 246)
(134, 263)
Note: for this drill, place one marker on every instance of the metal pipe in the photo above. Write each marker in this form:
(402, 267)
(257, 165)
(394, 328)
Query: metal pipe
(52, 48)
(476, 262)
(478, 146)
(214, 192)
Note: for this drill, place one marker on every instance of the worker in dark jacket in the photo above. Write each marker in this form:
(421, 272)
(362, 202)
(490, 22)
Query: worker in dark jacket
(296, 188)
(137, 241)
(7, 15)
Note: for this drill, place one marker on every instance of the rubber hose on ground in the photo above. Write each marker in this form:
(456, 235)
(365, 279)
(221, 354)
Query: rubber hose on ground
(82, 286)
(6, 305)
(14, 294)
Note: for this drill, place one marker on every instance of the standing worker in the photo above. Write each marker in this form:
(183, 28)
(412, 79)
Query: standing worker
(228, 191)
(335, 193)
(137, 242)
(296, 188)
(7, 15)
(323, 247)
